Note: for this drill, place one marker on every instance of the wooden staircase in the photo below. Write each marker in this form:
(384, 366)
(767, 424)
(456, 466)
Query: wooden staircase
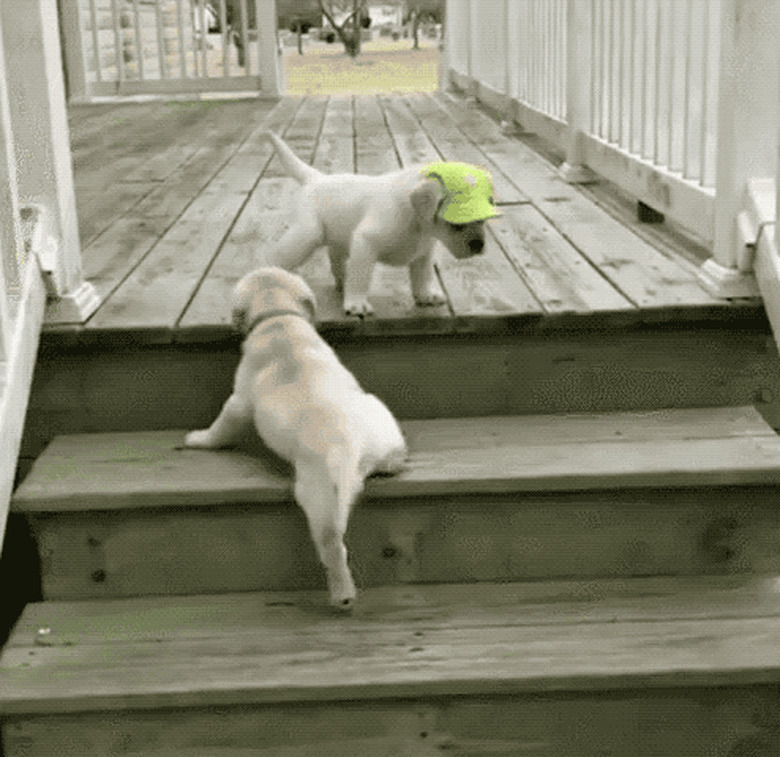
(567, 584)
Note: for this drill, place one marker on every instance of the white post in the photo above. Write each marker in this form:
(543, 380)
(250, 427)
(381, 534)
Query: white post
(11, 250)
(75, 56)
(44, 169)
(445, 46)
(579, 30)
(747, 105)
(472, 20)
(271, 73)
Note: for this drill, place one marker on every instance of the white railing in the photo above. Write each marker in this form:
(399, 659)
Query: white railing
(39, 246)
(22, 296)
(627, 88)
(131, 47)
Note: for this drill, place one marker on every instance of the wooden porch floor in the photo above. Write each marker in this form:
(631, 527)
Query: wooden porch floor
(178, 200)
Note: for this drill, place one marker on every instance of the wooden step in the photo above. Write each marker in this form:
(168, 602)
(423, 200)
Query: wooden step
(575, 668)
(504, 498)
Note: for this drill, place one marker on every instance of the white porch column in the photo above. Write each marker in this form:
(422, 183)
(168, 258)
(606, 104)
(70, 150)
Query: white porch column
(268, 47)
(747, 123)
(42, 144)
(578, 89)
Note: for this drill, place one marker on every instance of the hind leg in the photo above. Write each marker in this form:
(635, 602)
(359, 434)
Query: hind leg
(298, 243)
(316, 494)
(338, 261)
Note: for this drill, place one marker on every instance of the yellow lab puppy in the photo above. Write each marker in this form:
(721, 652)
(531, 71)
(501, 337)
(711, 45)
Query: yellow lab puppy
(392, 218)
(309, 409)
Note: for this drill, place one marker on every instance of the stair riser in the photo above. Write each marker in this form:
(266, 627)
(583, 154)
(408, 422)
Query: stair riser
(179, 386)
(453, 539)
(712, 721)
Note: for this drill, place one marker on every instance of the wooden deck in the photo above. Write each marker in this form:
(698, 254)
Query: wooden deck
(177, 200)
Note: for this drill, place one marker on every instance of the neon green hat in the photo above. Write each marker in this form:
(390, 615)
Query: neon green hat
(468, 191)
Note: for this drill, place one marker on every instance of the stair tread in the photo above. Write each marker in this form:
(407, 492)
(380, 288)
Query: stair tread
(409, 641)
(680, 447)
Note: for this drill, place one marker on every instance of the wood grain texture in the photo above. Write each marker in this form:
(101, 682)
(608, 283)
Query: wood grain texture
(568, 258)
(157, 291)
(248, 649)
(718, 721)
(253, 546)
(717, 446)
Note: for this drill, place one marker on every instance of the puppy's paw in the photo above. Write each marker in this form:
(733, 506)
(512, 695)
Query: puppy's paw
(359, 306)
(429, 298)
(198, 439)
(343, 594)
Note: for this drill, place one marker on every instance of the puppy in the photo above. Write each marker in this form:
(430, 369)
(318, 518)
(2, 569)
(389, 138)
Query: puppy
(393, 218)
(309, 409)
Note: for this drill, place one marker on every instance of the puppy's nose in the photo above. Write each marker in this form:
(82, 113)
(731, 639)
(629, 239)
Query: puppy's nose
(476, 246)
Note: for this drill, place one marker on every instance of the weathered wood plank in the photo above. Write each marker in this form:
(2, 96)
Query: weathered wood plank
(639, 270)
(142, 144)
(254, 546)
(410, 140)
(116, 252)
(718, 721)
(374, 149)
(156, 293)
(718, 446)
(239, 655)
(562, 279)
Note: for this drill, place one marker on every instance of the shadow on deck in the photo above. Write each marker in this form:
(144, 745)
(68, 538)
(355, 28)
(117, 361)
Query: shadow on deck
(178, 200)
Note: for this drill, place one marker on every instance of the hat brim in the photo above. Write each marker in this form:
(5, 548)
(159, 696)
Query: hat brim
(468, 212)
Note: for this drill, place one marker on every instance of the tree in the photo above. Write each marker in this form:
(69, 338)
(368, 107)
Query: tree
(298, 16)
(355, 18)
(423, 11)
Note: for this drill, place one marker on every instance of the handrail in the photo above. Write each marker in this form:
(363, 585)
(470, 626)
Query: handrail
(675, 101)
(170, 47)
(22, 300)
(623, 88)
(40, 257)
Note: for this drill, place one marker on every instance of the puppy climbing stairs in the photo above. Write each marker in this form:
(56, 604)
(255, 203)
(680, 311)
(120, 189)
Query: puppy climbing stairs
(529, 585)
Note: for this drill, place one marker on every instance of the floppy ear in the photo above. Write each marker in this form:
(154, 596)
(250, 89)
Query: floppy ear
(426, 198)
(238, 309)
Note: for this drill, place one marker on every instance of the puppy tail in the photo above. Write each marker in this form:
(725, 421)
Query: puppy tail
(299, 170)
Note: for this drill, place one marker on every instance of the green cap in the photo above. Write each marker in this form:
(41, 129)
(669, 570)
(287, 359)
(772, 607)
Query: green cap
(468, 191)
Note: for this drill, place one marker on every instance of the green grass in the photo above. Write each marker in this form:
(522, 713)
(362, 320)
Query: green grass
(383, 66)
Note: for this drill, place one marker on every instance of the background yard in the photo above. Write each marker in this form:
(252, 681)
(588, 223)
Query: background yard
(383, 66)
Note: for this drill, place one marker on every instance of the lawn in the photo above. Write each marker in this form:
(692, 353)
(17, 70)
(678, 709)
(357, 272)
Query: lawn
(382, 66)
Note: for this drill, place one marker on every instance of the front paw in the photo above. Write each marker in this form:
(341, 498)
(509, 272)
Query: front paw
(198, 439)
(359, 306)
(429, 298)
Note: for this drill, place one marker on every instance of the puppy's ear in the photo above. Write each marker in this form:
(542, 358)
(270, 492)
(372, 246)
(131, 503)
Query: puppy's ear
(426, 198)
(238, 316)
(240, 303)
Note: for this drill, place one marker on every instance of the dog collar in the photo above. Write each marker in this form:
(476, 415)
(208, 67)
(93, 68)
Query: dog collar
(272, 314)
(468, 191)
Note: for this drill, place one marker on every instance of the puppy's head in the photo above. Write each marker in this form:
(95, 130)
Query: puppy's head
(267, 290)
(453, 200)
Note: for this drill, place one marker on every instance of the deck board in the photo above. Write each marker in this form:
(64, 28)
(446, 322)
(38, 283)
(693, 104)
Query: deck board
(180, 200)
(421, 641)
(707, 447)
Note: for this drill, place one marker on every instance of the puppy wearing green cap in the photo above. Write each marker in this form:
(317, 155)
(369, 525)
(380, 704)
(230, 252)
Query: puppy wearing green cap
(394, 218)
